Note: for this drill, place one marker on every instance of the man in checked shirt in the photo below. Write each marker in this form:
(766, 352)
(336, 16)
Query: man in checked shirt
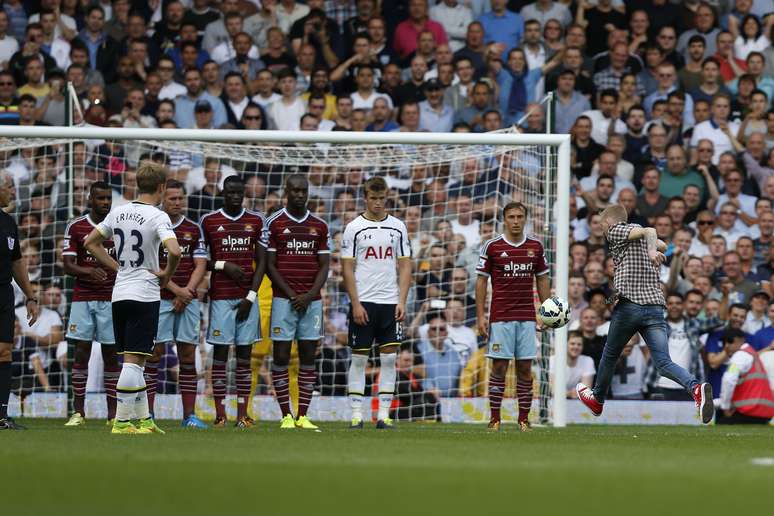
(637, 254)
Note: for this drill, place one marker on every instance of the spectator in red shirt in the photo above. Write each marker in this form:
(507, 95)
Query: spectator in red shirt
(407, 31)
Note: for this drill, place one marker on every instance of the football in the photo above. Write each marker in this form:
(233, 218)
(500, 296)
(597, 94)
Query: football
(554, 312)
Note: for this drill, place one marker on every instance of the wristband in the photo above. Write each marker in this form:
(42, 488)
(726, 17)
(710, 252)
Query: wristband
(251, 296)
(220, 265)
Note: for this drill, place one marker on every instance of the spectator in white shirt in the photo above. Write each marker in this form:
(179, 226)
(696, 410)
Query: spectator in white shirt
(718, 129)
(166, 70)
(580, 368)
(745, 204)
(603, 122)
(758, 316)
(285, 113)
(365, 95)
(8, 44)
(544, 10)
(728, 226)
(264, 83)
(455, 18)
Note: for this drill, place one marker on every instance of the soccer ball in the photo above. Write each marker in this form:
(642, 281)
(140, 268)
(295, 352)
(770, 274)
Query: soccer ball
(554, 312)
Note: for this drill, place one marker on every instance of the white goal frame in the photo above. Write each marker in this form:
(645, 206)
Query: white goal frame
(561, 142)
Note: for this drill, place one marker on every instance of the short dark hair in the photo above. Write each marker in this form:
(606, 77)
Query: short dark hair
(731, 334)
(515, 205)
(174, 183)
(98, 185)
(375, 184)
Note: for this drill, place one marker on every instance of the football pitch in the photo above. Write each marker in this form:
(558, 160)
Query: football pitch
(430, 469)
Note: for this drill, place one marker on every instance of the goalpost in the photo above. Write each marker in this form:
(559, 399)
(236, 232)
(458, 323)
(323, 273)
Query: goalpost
(449, 188)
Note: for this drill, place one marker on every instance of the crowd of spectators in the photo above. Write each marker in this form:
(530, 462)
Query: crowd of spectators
(669, 104)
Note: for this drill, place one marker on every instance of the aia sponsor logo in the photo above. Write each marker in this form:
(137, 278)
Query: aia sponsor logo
(379, 253)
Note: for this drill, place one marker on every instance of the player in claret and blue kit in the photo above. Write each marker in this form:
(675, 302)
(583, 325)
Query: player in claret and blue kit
(237, 260)
(298, 256)
(179, 313)
(91, 315)
(511, 261)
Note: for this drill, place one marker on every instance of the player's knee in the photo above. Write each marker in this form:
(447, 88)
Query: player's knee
(499, 367)
(524, 370)
(82, 354)
(220, 353)
(186, 353)
(158, 353)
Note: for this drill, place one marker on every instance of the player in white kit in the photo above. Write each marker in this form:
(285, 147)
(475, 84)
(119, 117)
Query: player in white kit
(137, 229)
(376, 266)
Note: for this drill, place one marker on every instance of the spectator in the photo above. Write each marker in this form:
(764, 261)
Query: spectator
(55, 46)
(503, 27)
(585, 149)
(610, 77)
(407, 32)
(442, 362)
(518, 82)
(8, 44)
(435, 116)
(414, 400)
(365, 94)
(34, 83)
(546, 10)
(757, 318)
(705, 25)
(30, 48)
(580, 368)
(603, 121)
(746, 396)
(756, 69)
(169, 88)
(743, 203)
(103, 50)
(455, 18)
(691, 75)
(592, 343)
(209, 198)
(235, 97)
(570, 103)
(730, 66)
(184, 104)
(711, 82)
(475, 48)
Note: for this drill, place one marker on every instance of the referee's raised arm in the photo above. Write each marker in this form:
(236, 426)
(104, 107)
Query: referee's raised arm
(11, 267)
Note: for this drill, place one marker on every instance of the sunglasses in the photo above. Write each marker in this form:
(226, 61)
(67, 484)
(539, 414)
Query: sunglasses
(251, 117)
(705, 222)
(728, 213)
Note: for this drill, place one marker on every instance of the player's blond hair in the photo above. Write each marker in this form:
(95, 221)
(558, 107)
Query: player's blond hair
(615, 214)
(149, 176)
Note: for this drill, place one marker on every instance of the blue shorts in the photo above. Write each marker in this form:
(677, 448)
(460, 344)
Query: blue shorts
(90, 321)
(183, 327)
(512, 339)
(224, 329)
(288, 324)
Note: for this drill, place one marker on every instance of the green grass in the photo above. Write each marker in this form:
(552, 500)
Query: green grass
(416, 469)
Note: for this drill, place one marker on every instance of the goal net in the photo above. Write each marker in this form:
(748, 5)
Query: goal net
(449, 190)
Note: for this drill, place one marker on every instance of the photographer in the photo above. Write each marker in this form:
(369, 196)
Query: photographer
(319, 31)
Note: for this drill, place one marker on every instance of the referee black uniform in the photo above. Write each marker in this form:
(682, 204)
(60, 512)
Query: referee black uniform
(9, 253)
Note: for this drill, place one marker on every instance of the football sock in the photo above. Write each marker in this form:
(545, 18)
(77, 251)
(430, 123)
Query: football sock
(387, 373)
(110, 378)
(496, 390)
(79, 378)
(129, 385)
(5, 388)
(187, 385)
(307, 378)
(279, 378)
(356, 384)
(244, 377)
(524, 394)
(219, 387)
(141, 407)
(150, 376)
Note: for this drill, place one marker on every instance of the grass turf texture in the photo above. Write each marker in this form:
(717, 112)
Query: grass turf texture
(416, 469)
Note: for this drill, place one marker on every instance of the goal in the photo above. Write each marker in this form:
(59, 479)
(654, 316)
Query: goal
(448, 188)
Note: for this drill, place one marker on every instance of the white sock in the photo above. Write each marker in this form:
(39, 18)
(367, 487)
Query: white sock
(130, 381)
(141, 409)
(387, 375)
(356, 384)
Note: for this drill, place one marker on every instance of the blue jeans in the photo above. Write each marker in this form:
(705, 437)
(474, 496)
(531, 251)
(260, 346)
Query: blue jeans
(647, 320)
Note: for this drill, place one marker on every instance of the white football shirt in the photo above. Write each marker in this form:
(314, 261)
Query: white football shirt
(376, 247)
(138, 229)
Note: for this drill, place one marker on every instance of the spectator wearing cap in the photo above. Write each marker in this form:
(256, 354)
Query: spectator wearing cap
(184, 104)
(435, 116)
(285, 113)
(758, 317)
(103, 50)
(407, 32)
(746, 396)
(570, 103)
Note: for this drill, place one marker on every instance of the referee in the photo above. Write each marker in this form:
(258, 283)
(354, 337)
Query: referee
(11, 267)
(637, 255)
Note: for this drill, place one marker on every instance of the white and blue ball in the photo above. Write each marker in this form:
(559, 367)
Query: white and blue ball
(554, 312)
